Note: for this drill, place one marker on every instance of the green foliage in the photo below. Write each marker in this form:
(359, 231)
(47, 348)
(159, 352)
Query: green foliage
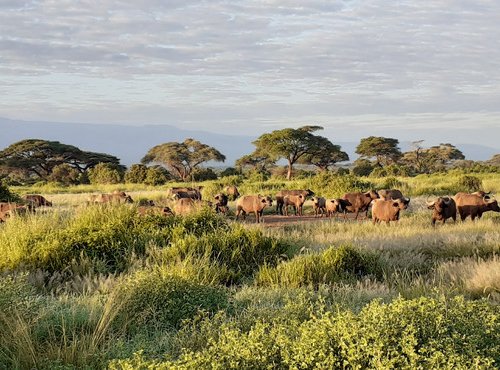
(241, 251)
(405, 334)
(136, 174)
(38, 158)
(158, 298)
(469, 184)
(329, 184)
(156, 175)
(6, 195)
(182, 158)
(204, 174)
(384, 149)
(391, 170)
(362, 167)
(230, 172)
(65, 174)
(105, 173)
(333, 265)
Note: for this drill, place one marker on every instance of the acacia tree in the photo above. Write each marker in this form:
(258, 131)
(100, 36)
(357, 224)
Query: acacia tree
(35, 157)
(435, 158)
(290, 144)
(182, 158)
(326, 154)
(385, 150)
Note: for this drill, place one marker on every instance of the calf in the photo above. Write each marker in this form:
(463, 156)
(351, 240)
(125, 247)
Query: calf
(319, 206)
(296, 201)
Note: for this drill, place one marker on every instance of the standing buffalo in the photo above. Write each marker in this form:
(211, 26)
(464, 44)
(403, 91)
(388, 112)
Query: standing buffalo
(185, 192)
(335, 205)
(221, 203)
(444, 208)
(474, 205)
(232, 192)
(295, 201)
(388, 194)
(281, 195)
(37, 200)
(387, 210)
(319, 206)
(253, 203)
(359, 202)
(115, 197)
(8, 210)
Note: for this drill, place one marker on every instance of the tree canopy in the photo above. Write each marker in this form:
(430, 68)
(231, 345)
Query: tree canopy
(36, 157)
(385, 150)
(182, 158)
(435, 158)
(296, 146)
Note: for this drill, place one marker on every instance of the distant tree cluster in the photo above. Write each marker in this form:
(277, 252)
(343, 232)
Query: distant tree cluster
(283, 153)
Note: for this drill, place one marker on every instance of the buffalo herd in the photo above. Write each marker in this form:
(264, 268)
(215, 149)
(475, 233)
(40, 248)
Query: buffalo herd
(386, 205)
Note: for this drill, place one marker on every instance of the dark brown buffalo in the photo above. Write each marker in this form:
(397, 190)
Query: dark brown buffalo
(387, 210)
(37, 200)
(115, 197)
(444, 208)
(8, 210)
(319, 206)
(333, 206)
(359, 202)
(253, 203)
(280, 197)
(232, 192)
(388, 194)
(474, 205)
(221, 201)
(185, 192)
(154, 210)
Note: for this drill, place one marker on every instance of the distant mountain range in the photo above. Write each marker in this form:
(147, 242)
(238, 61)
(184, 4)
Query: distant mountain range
(131, 143)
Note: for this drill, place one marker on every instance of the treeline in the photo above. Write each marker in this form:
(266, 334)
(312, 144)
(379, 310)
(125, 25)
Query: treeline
(301, 150)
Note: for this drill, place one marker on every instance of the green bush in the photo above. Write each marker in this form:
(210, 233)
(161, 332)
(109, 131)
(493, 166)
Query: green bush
(241, 251)
(6, 195)
(156, 175)
(423, 333)
(333, 265)
(136, 174)
(105, 173)
(362, 167)
(469, 184)
(156, 298)
(332, 185)
(65, 174)
(204, 174)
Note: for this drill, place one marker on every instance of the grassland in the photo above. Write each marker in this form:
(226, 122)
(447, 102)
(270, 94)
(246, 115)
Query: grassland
(101, 287)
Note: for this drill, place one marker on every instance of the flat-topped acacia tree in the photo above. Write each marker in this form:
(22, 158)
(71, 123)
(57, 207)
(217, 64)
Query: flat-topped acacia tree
(298, 146)
(182, 158)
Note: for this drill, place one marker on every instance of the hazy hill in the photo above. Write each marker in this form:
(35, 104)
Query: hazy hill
(130, 143)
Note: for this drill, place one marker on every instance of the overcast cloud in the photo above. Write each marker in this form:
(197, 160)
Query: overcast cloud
(246, 67)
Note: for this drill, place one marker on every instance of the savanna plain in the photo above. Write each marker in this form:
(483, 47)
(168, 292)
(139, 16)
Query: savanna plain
(88, 286)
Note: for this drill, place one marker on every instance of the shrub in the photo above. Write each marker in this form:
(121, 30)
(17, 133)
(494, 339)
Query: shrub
(105, 173)
(362, 167)
(65, 174)
(136, 174)
(6, 195)
(333, 185)
(204, 174)
(157, 298)
(156, 175)
(469, 184)
(332, 265)
(410, 334)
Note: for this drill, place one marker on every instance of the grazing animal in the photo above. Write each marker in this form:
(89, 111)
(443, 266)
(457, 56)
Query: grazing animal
(221, 203)
(37, 200)
(474, 205)
(295, 201)
(319, 206)
(253, 203)
(336, 205)
(281, 195)
(359, 202)
(388, 194)
(154, 210)
(232, 192)
(387, 210)
(12, 209)
(115, 197)
(444, 208)
(185, 192)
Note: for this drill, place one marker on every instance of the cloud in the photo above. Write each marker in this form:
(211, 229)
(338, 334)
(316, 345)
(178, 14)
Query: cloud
(248, 61)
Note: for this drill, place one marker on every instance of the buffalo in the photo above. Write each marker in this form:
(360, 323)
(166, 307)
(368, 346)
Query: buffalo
(115, 197)
(221, 201)
(281, 195)
(185, 192)
(7, 210)
(335, 205)
(253, 203)
(232, 192)
(37, 200)
(474, 205)
(319, 206)
(387, 210)
(154, 210)
(295, 201)
(359, 202)
(444, 208)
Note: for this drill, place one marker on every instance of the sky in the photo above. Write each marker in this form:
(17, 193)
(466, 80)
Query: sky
(406, 69)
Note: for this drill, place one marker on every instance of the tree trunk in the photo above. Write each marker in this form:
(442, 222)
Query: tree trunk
(289, 172)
